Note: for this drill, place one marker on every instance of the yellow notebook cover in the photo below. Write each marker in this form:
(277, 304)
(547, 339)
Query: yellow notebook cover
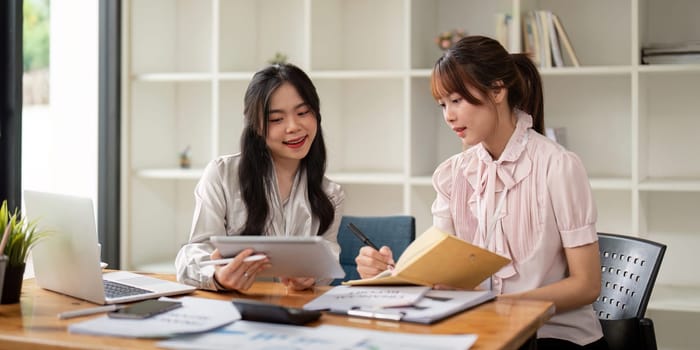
(436, 257)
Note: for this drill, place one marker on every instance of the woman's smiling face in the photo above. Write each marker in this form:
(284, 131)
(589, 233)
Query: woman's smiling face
(292, 125)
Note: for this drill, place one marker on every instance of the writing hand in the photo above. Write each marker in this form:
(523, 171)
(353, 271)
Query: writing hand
(371, 262)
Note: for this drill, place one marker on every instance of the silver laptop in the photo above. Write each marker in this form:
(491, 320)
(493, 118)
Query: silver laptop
(67, 261)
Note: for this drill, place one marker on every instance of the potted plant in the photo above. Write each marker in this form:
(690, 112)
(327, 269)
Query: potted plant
(19, 236)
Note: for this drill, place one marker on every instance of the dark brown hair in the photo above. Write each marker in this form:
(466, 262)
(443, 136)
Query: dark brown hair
(483, 64)
(255, 171)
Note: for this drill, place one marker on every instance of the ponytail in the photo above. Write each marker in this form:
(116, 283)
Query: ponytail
(528, 95)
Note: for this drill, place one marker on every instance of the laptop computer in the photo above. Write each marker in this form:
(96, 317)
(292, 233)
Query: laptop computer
(67, 261)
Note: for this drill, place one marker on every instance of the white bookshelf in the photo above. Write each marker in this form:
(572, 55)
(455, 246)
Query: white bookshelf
(187, 64)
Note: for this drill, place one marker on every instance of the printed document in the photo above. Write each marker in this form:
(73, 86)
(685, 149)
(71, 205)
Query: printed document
(265, 336)
(347, 297)
(195, 315)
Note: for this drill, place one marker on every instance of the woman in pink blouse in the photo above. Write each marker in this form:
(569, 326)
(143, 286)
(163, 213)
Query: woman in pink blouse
(514, 191)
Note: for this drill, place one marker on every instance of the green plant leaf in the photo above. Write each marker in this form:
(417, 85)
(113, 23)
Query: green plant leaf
(22, 237)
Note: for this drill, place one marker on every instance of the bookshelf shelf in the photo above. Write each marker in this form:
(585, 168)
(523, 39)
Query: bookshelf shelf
(189, 62)
(367, 178)
(173, 77)
(673, 185)
(357, 74)
(235, 76)
(670, 68)
(172, 174)
(587, 71)
(603, 183)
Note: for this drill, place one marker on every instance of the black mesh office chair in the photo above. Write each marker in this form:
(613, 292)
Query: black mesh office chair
(629, 269)
(395, 232)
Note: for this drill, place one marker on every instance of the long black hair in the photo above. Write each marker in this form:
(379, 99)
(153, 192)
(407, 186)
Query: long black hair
(255, 171)
(481, 62)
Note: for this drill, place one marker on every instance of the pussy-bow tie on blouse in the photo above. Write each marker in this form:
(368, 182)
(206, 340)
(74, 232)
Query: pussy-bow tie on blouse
(489, 178)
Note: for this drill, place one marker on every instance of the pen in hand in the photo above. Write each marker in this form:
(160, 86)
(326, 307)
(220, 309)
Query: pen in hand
(362, 236)
(225, 261)
(365, 240)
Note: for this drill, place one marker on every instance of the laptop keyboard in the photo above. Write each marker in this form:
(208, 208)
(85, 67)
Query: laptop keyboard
(118, 290)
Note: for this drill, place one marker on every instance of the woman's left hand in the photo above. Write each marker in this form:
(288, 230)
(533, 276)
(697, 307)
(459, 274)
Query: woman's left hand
(298, 283)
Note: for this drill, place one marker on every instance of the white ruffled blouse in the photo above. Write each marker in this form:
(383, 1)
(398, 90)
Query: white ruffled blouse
(219, 209)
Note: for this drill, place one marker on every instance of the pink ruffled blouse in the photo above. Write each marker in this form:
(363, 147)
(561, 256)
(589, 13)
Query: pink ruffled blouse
(528, 205)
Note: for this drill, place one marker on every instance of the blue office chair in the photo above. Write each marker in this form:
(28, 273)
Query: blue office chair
(395, 232)
(629, 267)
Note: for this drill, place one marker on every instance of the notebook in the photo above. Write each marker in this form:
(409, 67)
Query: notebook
(67, 261)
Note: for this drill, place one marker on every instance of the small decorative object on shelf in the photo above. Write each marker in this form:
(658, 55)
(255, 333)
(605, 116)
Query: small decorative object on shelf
(278, 59)
(446, 39)
(18, 238)
(185, 158)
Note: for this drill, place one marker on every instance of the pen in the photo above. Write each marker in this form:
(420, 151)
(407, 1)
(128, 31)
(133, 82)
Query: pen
(366, 241)
(228, 260)
(385, 315)
(362, 236)
(88, 311)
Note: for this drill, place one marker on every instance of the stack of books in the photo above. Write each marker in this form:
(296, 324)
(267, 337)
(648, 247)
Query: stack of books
(546, 40)
(678, 53)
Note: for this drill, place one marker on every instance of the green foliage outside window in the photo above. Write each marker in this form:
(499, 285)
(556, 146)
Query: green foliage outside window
(36, 34)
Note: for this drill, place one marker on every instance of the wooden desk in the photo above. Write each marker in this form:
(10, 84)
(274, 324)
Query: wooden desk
(33, 323)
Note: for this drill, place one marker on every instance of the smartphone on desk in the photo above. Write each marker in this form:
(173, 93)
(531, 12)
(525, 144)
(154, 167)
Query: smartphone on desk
(145, 309)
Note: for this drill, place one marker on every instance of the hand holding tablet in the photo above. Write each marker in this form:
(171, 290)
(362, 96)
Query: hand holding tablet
(289, 256)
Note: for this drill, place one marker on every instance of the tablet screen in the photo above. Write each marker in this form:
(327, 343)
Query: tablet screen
(290, 256)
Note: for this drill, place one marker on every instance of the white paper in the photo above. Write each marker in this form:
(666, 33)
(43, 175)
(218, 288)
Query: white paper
(438, 304)
(265, 336)
(349, 297)
(195, 315)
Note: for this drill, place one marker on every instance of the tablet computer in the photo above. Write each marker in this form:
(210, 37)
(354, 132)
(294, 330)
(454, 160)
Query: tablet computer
(289, 256)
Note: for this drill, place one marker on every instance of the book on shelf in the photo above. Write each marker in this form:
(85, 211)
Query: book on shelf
(503, 22)
(546, 47)
(436, 257)
(546, 40)
(564, 39)
(672, 53)
(557, 59)
(672, 48)
(685, 58)
(531, 38)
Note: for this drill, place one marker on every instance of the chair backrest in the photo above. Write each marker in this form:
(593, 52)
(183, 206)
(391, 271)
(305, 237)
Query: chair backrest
(629, 267)
(395, 232)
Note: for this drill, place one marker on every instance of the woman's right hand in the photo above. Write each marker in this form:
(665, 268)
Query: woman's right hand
(371, 262)
(239, 274)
